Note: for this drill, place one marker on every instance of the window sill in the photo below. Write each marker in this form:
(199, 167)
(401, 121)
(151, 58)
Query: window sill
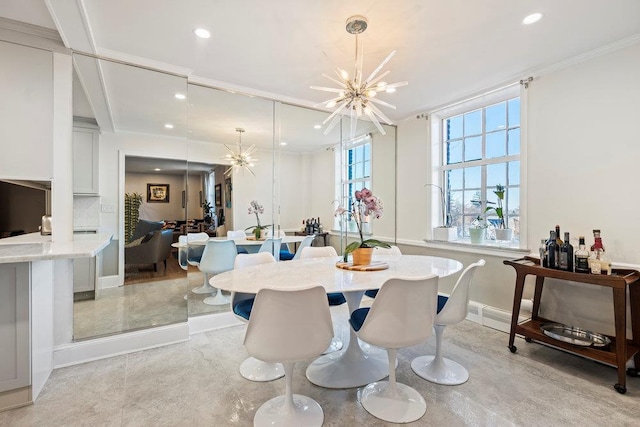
(489, 247)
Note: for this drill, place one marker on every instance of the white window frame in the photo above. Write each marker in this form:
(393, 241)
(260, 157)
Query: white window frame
(438, 156)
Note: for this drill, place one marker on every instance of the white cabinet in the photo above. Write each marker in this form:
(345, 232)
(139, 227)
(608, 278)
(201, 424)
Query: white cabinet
(85, 160)
(84, 274)
(14, 329)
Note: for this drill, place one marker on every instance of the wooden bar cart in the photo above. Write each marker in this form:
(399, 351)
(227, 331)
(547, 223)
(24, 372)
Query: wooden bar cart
(619, 351)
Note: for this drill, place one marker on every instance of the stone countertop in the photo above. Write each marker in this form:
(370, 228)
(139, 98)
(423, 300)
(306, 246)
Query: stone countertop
(35, 247)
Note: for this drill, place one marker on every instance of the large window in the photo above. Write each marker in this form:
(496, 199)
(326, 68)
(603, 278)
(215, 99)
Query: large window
(481, 150)
(356, 172)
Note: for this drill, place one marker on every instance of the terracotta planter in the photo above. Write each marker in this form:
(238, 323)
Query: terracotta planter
(362, 256)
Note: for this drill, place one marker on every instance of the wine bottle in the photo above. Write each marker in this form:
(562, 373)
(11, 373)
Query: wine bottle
(558, 239)
(552, 250)
(565, 261)
(582, 257)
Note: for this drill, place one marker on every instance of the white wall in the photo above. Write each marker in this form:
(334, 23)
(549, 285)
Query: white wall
(581, 156)
(137, 183)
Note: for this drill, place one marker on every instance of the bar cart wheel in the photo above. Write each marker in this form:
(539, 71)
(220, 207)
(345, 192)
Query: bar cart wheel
(620, 388)
(513, 348)
(527, 339)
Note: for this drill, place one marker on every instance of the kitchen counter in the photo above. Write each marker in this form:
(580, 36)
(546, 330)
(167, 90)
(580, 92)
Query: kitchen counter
(35, 247)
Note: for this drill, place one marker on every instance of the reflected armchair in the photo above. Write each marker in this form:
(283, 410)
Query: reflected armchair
(151, 251)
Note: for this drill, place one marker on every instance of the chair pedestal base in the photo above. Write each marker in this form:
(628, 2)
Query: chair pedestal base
(443, 371)
(259, 371)
(219, 299)
(306, 412)
(404, 405)
(336, 345)
(204, 289)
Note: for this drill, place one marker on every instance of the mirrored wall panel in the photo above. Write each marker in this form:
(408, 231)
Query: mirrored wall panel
(131, 180)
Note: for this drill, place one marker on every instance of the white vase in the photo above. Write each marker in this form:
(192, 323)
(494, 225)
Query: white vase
(504, 234)
(476, 235)
(446, 234)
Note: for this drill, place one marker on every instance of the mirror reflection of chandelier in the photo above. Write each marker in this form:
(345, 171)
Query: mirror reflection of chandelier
(355, 94)
(240, 159)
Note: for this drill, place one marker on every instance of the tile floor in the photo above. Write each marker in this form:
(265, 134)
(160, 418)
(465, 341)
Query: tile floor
(196, 383)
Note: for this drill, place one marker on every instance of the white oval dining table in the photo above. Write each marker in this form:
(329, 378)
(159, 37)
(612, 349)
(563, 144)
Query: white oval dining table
(353, 366)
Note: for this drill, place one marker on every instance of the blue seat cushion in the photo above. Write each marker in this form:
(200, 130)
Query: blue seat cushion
(442, 300)
(336, 298)
(243, 308)
(286, 256)
(357, 318)
(371, 293)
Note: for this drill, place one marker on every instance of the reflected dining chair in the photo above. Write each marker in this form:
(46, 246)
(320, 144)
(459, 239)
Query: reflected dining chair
(401, 316)
(451, 310)
(379, 251)
(218, 257)
(238, 234)
(287, 327)
(241, 305)
(182, 252)
(285, 255)
(334, 298)
(195, 248)
(272, 246)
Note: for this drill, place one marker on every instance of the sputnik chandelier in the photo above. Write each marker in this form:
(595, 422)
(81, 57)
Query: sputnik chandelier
(240, 159)
(357, 95)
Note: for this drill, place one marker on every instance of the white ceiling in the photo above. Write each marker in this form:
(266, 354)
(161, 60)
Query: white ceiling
(446, 50)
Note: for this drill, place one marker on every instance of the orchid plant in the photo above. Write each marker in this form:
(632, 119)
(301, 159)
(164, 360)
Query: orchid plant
(498, 209)
(364, 206)
(257, 209)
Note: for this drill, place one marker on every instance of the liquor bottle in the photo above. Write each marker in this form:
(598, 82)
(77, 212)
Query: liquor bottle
(582, 257)
(558, 239)
(543, 252)
(565, 260)
(597, 244)
(552, 250)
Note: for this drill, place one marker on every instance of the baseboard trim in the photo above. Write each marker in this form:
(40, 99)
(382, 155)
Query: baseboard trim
(105, 282)
(211, 322)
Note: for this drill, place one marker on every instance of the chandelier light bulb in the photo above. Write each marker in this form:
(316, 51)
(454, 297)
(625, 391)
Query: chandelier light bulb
(242, 158)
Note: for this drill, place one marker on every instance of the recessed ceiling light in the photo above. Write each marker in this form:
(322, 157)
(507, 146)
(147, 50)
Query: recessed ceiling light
(179, 95)
(283, 143)
(169, 126)
(532, 19)
(317, 126)
(157, 169)
(202, 33)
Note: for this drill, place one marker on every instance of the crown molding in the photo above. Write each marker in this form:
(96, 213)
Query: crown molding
(31, 35)
(143, 62)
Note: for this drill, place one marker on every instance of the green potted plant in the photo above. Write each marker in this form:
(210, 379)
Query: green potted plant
(206, 206)
(502, 232)
(256, 208)
(477, 230)
(365, 205)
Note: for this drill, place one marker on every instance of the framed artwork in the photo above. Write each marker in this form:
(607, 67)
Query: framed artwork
(227, 192)
(157, 193)
(218, 194)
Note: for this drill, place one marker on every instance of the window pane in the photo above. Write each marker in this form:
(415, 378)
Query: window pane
(454, 179)
(454, 152)
(473, 123)
(514, 173)
(359, 171)
(513, 201)
(350, 172)
(496, 146)
(367, 169)
(473, 177)
(514, 112)
(367, 151)
(359, 154)
(472, 202)
(496, 117)
(496, 174)
(455, 206)
(472, 148)
(454, 128)
(514, 141)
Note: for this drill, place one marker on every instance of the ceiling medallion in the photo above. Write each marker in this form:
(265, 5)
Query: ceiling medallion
(356, 95)
(240, 159)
